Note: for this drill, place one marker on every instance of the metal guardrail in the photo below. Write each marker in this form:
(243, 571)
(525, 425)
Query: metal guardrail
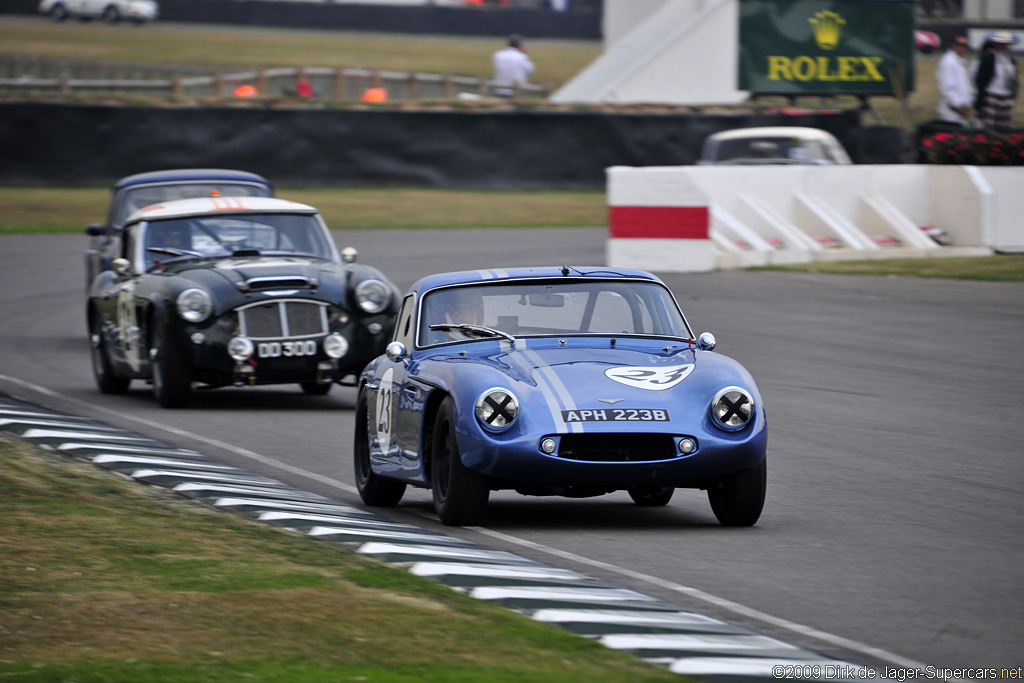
(26, 76)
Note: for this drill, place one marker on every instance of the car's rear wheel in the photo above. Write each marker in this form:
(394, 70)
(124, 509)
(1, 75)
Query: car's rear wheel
(460, 495)
(111, 15)
(108, 381)
(172, 376)
(59, 12)
(373, 490)
(737, 500)
(651, 497)
(315, 389)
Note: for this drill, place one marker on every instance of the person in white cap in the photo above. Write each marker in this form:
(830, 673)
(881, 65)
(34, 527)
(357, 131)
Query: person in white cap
(955, 85)
(996, 82)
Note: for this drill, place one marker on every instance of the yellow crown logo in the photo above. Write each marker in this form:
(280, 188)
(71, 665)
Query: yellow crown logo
(827, 27)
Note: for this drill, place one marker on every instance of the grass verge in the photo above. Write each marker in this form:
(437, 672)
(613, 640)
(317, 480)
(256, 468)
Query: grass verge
(997, 268)
(105, 580)
(220, 45)
(70, 209)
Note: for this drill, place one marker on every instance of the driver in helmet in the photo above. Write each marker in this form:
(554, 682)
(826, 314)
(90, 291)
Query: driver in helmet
(171, 234)
(462, 306)
(167, 235)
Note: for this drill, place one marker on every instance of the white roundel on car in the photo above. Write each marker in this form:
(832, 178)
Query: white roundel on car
(384, 411)
(652, 379)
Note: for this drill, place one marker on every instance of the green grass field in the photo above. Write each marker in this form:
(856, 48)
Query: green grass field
(106, 581)
(37, 209)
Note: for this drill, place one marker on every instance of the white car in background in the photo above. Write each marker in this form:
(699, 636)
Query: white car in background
(773, 145)
(111, 11)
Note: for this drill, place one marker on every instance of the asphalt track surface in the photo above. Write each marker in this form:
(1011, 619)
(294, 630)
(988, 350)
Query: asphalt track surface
(892, 532)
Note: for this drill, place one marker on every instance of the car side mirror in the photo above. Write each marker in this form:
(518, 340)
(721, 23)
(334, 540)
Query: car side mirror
(396, 351)
(121, 266)
(95, 230)
(349, 254)
(706, 341)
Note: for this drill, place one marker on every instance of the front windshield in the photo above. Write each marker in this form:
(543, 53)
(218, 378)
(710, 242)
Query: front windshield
(552, 308)
(238, 234)
(784, 149)
(135, 198)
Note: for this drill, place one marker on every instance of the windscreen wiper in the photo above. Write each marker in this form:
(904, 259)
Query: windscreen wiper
(475, 330)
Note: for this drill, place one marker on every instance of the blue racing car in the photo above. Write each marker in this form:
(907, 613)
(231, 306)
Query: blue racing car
(556, 381)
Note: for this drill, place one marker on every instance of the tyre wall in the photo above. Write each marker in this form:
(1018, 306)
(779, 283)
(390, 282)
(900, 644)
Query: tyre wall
(61, 144)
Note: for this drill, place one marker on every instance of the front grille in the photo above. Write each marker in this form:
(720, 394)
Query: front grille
(617, 447)
(283, 319)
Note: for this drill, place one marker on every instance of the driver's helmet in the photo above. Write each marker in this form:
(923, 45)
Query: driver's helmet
(462, 306)
(171, 234)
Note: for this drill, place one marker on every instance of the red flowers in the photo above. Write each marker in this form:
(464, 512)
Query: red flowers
(975, 149)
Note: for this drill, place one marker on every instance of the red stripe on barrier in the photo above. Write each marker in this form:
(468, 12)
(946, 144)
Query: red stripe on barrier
(658, 222)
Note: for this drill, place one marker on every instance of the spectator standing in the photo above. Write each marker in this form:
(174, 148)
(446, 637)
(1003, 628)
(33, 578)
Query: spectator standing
(996, 82)
(954, 82)
(512, 67)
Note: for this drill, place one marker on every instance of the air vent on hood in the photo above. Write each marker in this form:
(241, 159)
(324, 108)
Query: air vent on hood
(283, 282)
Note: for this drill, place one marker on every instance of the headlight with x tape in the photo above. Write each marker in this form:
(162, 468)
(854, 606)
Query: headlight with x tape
(732, 409)
(497, 409)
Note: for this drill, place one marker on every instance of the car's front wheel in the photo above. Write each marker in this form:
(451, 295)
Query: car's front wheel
(737, 500)
(111, 15)
(651, 497)
(172, 376)
(460, 495)
(373, 490)
(108, 381)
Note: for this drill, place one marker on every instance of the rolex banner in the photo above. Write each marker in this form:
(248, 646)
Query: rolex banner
(798, 47)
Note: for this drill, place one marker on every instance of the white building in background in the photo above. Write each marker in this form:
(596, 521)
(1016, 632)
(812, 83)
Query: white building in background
(663, 52)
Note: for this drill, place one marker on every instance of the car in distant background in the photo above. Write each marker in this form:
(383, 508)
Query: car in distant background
(241, 291)
(556, 381)
(111, 11)
(773, 145)
(927, 41)
(133, 192)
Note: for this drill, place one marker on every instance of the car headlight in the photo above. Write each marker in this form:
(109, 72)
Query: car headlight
(497, 408)
(732, 409)
(194, 305)
(335, 345)
(372, 295)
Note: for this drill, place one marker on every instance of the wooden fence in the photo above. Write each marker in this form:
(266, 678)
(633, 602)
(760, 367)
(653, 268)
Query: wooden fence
(27, 76)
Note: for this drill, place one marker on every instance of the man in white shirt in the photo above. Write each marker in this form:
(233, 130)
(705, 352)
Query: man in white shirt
(955, 84)
(512, 67)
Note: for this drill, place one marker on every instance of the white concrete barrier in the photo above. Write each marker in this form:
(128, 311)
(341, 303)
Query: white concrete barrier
(699, 218)
(658, 219)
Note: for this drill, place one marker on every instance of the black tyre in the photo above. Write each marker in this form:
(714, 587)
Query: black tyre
(59, 12)
(460, 495)
(172, 376)
(314, 389)
(651, 497)
(108, 381)
(374, 490)
(738, 500)
(111, 15)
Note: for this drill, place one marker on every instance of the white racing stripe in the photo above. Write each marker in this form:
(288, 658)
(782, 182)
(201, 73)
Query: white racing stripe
(525, 360)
